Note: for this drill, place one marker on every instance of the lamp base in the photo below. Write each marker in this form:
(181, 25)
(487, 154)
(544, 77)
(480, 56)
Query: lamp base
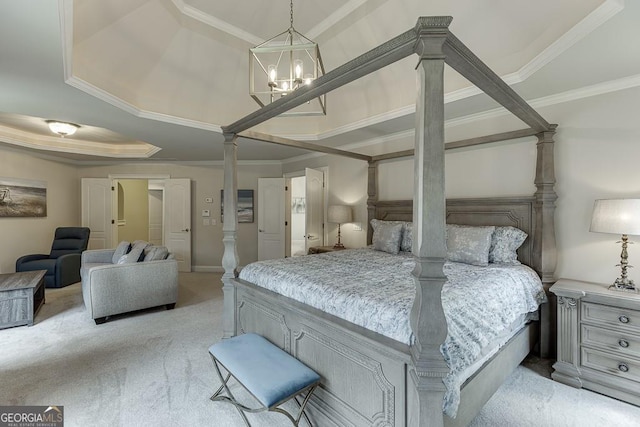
(338, 246)
(624, 285)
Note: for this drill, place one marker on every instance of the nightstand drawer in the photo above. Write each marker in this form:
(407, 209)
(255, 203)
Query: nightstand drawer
(622, 367)
(619, 318)
(620, 343)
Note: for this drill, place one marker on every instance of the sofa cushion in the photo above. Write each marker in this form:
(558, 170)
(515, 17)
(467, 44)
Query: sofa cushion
(122, 249)
(155, 253)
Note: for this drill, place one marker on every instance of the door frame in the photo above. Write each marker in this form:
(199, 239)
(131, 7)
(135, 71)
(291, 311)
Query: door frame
(114, 177)
(288, 176)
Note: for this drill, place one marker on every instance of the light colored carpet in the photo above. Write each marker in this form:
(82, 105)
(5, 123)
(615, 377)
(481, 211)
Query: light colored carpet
(152, 368)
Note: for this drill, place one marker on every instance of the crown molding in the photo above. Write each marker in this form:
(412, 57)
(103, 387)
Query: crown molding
(31, 140)
(135, 111)
(334, 18)
(215, 22)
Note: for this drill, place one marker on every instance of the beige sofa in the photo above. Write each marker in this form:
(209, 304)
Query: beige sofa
(109, 288)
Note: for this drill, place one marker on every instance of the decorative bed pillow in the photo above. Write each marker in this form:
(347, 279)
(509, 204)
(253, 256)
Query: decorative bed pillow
(469, 244)
(122, 249)
(135, 254)
(407, 237)
(504, 243)
(387, 235)
(155, 253)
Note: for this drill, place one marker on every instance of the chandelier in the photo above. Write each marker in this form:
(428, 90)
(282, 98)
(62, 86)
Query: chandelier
(282, 64)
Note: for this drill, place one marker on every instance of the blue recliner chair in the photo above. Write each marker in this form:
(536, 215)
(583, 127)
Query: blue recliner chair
(63, 263)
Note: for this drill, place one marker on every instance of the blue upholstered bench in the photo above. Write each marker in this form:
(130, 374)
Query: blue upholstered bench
(270, 374)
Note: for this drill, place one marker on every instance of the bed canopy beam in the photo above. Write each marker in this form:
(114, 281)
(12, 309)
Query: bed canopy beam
(460, 58)
(463, 143)
(257, 136)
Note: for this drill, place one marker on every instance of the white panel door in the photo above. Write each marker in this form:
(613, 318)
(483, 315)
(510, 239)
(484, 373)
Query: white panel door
(177, 228)
(271, 228)
(97, 213)
(314, 210)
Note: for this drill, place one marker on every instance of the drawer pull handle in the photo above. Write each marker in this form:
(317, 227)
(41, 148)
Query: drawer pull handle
(623, 319)
(623, 343)
(623, 367)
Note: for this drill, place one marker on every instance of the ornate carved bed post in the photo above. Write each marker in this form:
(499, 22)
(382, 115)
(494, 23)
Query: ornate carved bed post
(372, 193)
(428, 322)
(545, 206)
(230, 259)
(544, 242)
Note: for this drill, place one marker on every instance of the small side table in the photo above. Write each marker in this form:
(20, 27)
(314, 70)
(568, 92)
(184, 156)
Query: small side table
(598, 339)
(21, 296)
(323, 249)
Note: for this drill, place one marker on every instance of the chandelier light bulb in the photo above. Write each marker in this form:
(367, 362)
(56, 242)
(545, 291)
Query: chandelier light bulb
(273, 75)
(308, 78)
(298, 67)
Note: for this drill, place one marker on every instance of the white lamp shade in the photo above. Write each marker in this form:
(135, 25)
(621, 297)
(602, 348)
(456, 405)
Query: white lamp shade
(339, 214)
(616, 216)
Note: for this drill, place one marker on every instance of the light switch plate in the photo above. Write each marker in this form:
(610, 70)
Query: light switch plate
(357, 226)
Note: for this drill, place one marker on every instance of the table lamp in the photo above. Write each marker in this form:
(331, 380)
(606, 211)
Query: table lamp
(339, 214)
(618, 216)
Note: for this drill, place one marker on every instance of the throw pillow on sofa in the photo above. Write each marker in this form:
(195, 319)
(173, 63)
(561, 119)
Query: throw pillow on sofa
(122, 249)
(135, 254)
(155, 253)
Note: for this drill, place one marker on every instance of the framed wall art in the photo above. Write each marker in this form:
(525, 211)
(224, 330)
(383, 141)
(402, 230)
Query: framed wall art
(22, 198)
(245, 205)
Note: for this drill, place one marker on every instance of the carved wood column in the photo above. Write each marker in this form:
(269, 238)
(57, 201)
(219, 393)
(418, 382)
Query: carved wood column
(230, 259)
(428, 322)
(566, 366)
(544, 241)
(372, 192)
(545, 206)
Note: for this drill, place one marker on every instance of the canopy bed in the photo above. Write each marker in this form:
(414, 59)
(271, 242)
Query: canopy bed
(369, 377)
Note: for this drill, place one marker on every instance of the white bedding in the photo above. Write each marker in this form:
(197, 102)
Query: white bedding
(375, 290)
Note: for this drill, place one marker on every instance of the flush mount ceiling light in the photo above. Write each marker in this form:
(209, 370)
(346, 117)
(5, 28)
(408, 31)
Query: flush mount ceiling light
(283, 64)
(62, 128)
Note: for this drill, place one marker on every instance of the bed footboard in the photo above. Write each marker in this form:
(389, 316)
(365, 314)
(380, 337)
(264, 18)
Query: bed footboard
(363, 374)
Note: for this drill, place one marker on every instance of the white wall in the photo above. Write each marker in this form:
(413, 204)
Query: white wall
(22, 236)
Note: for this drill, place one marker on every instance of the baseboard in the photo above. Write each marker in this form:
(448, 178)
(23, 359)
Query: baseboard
(207, 269)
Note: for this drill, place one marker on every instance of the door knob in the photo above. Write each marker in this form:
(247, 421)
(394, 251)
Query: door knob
(260, 231)
(186, 229)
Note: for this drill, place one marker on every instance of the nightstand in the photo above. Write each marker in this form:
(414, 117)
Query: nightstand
(322, 249)
(598, 339)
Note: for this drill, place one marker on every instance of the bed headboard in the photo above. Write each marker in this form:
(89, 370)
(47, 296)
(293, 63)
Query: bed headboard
(515, 211)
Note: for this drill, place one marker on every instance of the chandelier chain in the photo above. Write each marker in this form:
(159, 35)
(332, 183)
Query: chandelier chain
(291, 8)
